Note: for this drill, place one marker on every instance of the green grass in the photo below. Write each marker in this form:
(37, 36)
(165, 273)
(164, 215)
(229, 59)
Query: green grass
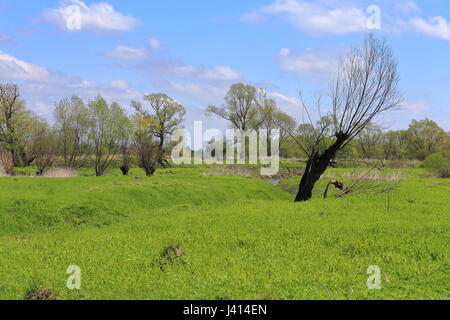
(242, 238)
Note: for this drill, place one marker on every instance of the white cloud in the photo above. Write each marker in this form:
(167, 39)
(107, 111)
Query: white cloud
(317, 64)
(41, 88)
(322, 17)
(401, 117)
(12, 68)
(119, 84)
(221, 73)
(281, 97)
(414, 107)
(206, 93)
(290, 105)
(407, 7)
(436, 27)
(284, 52)
(41, 108)
(253, 17)
(94, 18)
(155, 44)
(182, 70)
(128, 53)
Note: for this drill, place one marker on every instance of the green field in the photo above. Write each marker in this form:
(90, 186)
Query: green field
(241, 237)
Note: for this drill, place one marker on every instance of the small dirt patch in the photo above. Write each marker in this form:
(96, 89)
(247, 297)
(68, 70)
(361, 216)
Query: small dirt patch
(41, 294)
(266, 297)
(173, 252)
(21, 238)
(165, 184)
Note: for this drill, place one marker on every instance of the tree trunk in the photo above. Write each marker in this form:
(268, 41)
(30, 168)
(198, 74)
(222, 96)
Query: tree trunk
(125, 169)
(150, 172)
(315, 167)
(161, 161)
(16, 158)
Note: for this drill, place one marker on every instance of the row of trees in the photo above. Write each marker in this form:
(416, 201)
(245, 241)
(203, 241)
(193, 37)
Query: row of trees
(96, 133)
(365, 87)
(421, 139)
(246, 107)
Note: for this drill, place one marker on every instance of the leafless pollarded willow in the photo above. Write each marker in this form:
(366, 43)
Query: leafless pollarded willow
(365, 86)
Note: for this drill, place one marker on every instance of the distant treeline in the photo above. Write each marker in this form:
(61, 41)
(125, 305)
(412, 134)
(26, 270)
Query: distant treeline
(101, 135)
(421, 139)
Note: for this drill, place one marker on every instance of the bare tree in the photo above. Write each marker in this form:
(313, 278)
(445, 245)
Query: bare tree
(365, 87)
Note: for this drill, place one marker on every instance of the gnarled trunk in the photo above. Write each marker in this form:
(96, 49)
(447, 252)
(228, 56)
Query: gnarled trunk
(150, 172)
(125, 169)
(315, 167)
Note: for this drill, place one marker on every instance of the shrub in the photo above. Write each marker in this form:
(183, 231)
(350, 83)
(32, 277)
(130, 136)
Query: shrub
(439, 163)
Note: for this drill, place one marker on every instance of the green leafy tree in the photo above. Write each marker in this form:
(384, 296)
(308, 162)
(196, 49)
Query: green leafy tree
(126, 145)
(284, 123)
(423, 138)
(369, 141)
(391, 145)
(147, 150)
(245, 107)
(439, 163)
(71, 118)
(107, 128)
(165, 115)
(16, 125)
(45, 147)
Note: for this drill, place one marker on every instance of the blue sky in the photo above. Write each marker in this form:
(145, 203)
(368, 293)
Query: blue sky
(194, 50)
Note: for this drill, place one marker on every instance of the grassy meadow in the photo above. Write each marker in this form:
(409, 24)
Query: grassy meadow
(239, 237)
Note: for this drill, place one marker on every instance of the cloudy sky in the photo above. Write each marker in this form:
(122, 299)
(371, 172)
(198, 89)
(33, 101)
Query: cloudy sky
(194, 50)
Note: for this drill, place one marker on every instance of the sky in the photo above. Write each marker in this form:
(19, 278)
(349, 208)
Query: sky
(194, 50)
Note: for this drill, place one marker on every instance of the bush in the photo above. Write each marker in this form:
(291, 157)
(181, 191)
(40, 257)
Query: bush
(439, 163)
